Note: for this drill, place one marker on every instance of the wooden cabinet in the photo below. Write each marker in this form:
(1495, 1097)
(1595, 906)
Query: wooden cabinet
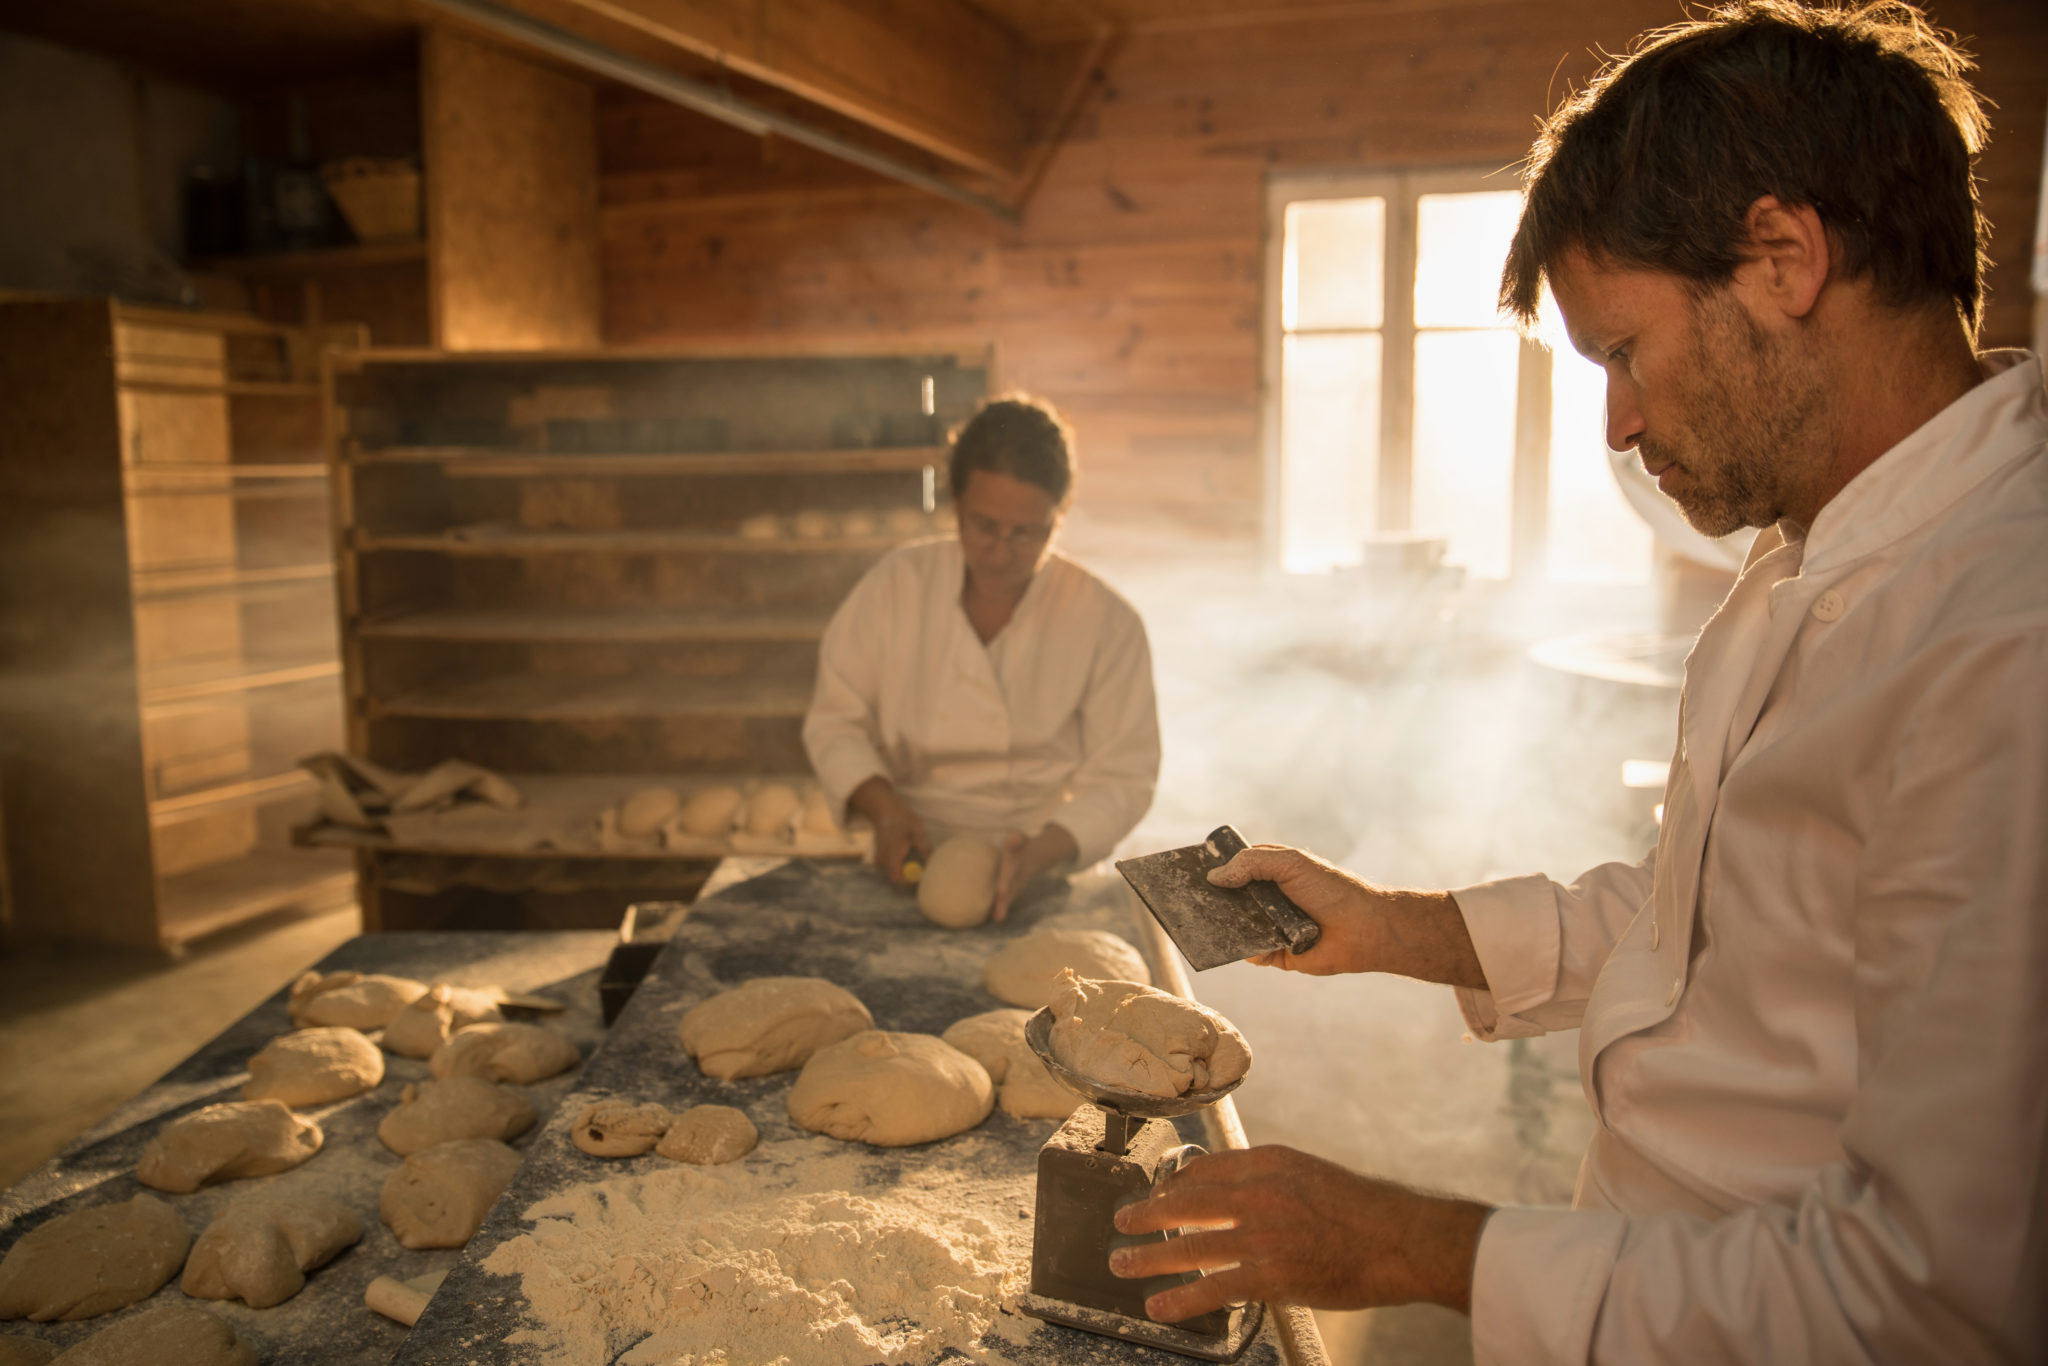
(589, 571)
(166, 593)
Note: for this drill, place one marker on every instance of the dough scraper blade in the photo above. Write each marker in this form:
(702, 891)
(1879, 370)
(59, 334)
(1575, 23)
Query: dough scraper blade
(1216, 925)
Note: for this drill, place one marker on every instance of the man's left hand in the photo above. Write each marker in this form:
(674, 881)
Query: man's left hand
(1024, 857)
(1279, 1226)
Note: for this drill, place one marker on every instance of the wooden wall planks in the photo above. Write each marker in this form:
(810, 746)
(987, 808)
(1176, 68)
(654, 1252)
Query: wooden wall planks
(1130, 294)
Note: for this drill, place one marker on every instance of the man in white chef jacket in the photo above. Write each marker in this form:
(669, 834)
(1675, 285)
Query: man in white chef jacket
(985, 684)
(1811, 1022)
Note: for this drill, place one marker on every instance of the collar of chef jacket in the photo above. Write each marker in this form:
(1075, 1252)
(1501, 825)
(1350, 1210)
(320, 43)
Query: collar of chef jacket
(1729, 673)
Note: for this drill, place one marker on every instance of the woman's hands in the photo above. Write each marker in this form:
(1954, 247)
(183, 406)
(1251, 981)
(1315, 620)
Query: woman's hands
(898, 831)
(1024, 857)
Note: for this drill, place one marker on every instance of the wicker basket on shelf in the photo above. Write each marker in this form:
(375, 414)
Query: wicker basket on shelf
(380, 199)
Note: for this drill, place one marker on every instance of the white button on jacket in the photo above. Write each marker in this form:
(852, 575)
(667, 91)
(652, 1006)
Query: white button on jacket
(1822, 1089)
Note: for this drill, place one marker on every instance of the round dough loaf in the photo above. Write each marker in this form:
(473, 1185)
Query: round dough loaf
(770, 810)
(708, 1135)
(426, 1023)
(170, 1333)
(818, 817)
(643, 813)
(908, 522)
(995, 1039)
(1141, 1039)
(92, 1261)
(620, 1128)
(762, 526)
(769, 1024)
(710, 811)
(858, 524)
(314, 1067)
(229, 1142)
(259, 1251)
(958, 889)
(812, 524)
(437, 1112)
(352, 1000)
(521, 1053)
(1026, 972)
(442, 1193)
(891, 1090)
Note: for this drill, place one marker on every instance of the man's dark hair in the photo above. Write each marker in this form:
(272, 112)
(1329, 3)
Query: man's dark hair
(1020, 436)
(1860, 112)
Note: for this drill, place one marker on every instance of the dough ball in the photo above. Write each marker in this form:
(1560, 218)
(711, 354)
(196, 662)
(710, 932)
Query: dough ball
(859, 524)
(1026, 972)
(995, 1039)
(1141, 1039)
(818, 817)
(770, 810)
(171, 1333)
(907, 522)
(17, 1350)
(353, 1000)
(710, 811)
(435, 1112)
(643, 813)
(812, 524)
(891, 1090)
(259, 1251)
(762, 526)
(708, 1135)
(229, 1142)
(442, 1193)
(92, 1261)
(620, 1128)
(520, 1053)
(770, 1024)
(958, 889)
(313, 1067)
(429, 1021)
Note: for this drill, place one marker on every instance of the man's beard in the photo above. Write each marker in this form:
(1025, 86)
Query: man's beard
(1748, 425)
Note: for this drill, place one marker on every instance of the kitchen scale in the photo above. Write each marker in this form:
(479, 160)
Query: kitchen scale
(1109, 1154)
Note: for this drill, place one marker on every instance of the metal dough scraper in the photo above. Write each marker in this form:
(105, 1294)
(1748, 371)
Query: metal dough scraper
(1216, 925)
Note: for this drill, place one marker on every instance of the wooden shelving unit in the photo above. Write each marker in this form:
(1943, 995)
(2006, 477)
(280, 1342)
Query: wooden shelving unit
(553, 564)
(166, 565)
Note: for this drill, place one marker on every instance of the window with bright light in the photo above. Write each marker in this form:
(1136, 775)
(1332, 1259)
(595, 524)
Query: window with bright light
(1403, 401)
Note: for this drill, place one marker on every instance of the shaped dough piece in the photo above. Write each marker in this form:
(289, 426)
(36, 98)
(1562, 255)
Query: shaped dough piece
(1026, 972)
(436, 1112)
(818, 817)
(258, 1251)
(958, 889)
(643, 813)
(314, 1067)
(710, 811)
(812, 524)
(155, 1337)
(16, 1350)
(708, 1135)
(762, 526)
(442, 1193)
(908, 522)
(891, 1090)
(1141, 1039)
(429, 1021)
(351, 999)
(620, 1128)
(769, 1024)
(229, 1142)
(92, 1261)
(995, 1039)
(770, 810)
(858, 524)
(520, 1053)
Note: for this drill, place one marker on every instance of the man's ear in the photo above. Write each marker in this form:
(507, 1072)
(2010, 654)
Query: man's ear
(1789, 256)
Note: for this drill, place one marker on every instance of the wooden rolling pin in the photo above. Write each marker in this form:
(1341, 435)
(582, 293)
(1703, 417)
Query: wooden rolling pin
(403, 1300)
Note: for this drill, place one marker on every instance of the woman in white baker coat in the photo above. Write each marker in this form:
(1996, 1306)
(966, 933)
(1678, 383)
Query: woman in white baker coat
(987, 684)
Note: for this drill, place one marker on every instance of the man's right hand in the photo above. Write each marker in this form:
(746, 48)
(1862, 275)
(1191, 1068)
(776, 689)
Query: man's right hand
(898, 831)
(1365, 928)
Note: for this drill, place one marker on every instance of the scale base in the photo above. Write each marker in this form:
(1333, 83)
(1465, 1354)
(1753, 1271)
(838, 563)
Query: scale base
(1243, 1326)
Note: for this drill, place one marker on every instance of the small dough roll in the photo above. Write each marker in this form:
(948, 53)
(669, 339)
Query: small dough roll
(891, 1090)
(352, 1000)
(620, 1128)
(92, 1261)
(1026, 972)
(908, 522)
(812, 524)
(958, 889)
(710, 811)
(769, 1024)
(156, 1337)
(435, 1112)
(442, 1193)
(314, 1067)
(771, 809)
(430, 1020)
(258, 1251)
(229, 1142)
(643, 813)
(1024, 1089)
(707, 1135)
(520, 1053)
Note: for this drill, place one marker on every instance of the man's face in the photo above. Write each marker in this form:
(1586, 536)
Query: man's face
(1006, 529)
(1727, 417)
